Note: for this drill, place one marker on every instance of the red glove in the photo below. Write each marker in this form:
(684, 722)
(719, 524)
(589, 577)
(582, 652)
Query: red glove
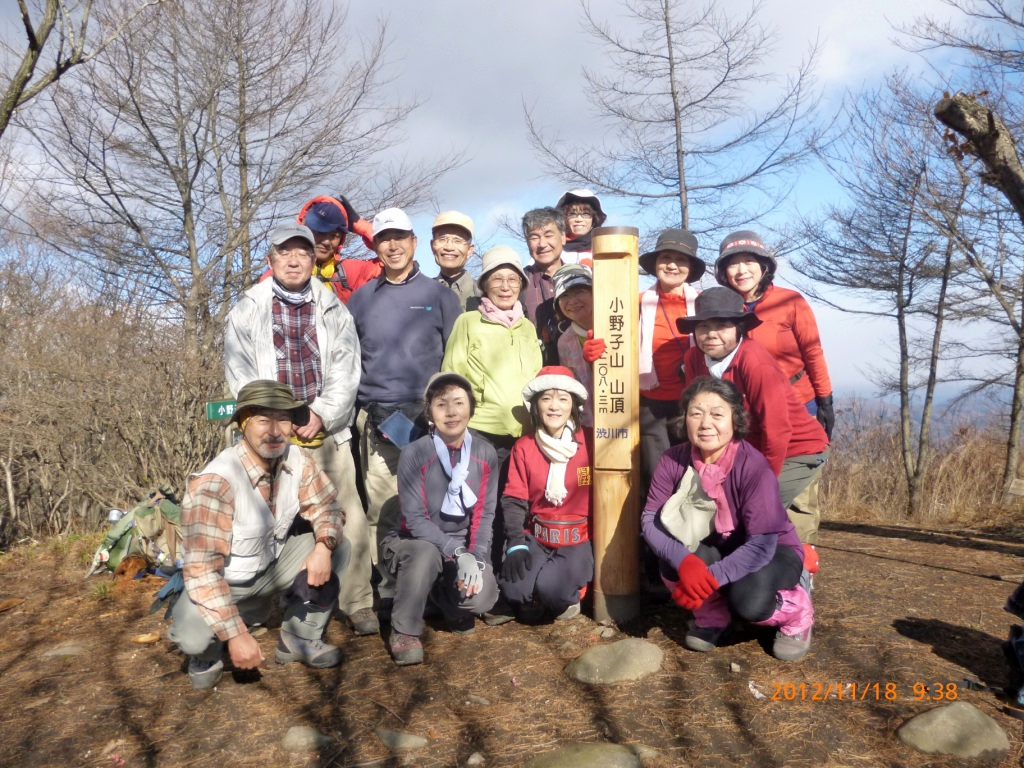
(695, 582)
(592, 348)
(685, 602)
(811, 562)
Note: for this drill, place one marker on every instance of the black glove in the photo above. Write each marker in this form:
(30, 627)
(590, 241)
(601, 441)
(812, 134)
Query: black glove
(353, 217)
(826, 416)
(516, 565)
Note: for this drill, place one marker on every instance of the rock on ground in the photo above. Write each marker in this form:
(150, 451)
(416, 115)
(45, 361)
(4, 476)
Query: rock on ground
(959, 729)
(303, 738)
(587, 756)
(68, 648)
(395, 740)
(630, 659)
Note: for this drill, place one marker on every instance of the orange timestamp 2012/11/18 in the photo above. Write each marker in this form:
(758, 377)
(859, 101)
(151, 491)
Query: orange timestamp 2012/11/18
(863, 691)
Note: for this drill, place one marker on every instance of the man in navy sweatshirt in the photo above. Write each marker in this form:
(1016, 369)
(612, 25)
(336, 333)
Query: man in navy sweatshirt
(403, 320)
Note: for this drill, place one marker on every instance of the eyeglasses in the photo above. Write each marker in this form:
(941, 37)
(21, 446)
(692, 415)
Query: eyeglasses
(500, 282)
(298, 250)
(579, 215)
(455, 240)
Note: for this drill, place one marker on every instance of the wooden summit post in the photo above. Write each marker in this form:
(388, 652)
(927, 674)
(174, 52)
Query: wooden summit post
(616, 521)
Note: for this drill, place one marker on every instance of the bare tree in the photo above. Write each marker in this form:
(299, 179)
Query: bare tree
(983, 130)
(697, 119)
(171, 157)
(56, 39)
(886, 253)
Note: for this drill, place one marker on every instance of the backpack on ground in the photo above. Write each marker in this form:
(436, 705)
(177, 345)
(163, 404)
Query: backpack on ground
(151, 531)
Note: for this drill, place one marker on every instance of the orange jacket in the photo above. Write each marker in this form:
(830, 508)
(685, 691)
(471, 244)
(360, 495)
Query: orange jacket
(790, 334)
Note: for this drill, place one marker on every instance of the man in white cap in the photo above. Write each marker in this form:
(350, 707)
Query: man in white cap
(452, 244)
(403, 319)
(293, 329)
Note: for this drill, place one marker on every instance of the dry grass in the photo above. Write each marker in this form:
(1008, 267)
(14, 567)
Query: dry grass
(865, 480)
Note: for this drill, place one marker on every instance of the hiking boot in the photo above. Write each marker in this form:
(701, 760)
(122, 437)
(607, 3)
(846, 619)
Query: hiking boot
(794, 617)
(791, 647)
(313, 653)
(405, 649)
(703, 639)
(364, 622)
(464, 624)
(569, 613)
(205, 674)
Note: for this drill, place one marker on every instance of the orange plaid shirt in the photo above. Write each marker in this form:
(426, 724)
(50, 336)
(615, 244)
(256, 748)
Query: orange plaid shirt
(207, 513)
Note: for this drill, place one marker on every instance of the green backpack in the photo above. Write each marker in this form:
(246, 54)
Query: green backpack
(151, 530)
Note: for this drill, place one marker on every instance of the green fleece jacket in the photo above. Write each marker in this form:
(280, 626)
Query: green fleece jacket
(498, 362)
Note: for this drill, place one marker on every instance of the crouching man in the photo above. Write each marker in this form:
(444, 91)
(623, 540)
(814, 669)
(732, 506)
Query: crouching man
(236, 518)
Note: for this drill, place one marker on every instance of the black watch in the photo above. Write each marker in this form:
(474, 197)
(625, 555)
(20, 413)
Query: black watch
(328, 541)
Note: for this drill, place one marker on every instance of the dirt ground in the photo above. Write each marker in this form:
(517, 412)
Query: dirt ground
(896, 607)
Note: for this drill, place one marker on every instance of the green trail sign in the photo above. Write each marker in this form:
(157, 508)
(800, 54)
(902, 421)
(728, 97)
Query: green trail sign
(220, 409)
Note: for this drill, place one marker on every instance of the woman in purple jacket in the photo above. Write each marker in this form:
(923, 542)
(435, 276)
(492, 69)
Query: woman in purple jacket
(713, 518)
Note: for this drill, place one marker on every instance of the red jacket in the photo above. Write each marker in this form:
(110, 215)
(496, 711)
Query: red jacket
(780, 426)
(790, 334)
(349, 274)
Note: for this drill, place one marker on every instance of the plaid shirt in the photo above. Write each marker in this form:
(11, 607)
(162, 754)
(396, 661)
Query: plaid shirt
(538, 300)
(207, 515)
(298, 355)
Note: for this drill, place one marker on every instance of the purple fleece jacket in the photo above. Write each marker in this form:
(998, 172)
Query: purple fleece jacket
(753, 494)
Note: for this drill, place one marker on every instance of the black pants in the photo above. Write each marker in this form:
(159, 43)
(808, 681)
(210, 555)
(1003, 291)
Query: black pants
(503, 447)
(752, 598)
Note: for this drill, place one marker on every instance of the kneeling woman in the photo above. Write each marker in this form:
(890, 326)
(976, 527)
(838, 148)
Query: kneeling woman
(714, 519)
(546, 505)
(448, 488)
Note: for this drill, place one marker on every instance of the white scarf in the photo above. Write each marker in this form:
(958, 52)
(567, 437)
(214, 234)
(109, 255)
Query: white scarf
(558, 451)
(648, 318)
(459, 497)
(718, 367)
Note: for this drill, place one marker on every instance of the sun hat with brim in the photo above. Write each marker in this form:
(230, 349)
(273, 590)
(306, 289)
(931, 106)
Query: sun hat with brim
(270, 395)
(744, 241)
(583, 196)
(495, 258)
(570, 276)
(681, 241)
(718, 304)
(553, 377)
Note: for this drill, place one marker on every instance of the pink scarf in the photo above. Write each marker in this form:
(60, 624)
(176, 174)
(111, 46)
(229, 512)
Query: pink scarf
(506, 317)
(712, 477)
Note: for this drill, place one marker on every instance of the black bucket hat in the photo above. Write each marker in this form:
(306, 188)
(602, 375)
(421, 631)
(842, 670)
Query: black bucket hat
(718, 304)
(271, 396)
(682, 241)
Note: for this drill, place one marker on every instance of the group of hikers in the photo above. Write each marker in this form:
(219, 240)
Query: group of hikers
(467, 490)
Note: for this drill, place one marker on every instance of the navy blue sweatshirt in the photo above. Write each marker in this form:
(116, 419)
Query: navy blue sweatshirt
(402, 329)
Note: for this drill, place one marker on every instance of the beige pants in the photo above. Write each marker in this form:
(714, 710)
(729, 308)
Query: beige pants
(336, 461)
(380, 479)
(805, 514)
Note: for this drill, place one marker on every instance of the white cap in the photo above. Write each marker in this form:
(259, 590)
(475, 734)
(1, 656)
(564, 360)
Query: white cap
(391, 218)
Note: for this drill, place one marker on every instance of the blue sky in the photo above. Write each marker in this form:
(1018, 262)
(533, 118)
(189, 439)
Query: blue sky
(474, 64)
